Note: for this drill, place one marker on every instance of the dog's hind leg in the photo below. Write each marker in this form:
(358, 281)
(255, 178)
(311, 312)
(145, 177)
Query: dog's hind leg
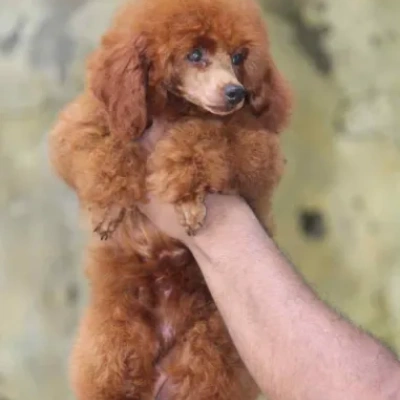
(113, 360)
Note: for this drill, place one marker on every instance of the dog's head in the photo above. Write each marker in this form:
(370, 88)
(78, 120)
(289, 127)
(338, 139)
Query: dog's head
(213, 53)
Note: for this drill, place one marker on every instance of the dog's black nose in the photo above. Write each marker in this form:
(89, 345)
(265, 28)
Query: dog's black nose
(234, 94)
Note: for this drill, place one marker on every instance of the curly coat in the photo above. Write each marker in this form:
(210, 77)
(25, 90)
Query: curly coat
(151, 329)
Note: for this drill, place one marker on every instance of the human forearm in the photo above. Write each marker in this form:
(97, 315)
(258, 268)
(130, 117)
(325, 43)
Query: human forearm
(295, 346)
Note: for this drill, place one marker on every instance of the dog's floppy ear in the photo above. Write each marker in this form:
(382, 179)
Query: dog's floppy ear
(270, 98)
(118, 79)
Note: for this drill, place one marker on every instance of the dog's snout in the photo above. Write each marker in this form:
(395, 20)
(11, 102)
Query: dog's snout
(234, 94)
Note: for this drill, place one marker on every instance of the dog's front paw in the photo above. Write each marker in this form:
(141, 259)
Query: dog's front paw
(107, 222)
(191, 214)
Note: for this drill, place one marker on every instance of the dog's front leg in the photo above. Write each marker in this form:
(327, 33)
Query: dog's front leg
(190, 161)
(192, 213)
(173, 184)
(111, 182)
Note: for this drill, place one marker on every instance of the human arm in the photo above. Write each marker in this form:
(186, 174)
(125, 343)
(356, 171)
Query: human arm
(294, 345)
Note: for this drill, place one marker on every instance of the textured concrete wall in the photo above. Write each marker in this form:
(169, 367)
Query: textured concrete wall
(42, 49)
(337, 207)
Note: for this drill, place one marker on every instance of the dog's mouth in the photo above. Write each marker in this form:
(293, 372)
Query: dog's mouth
(216, 109)
(232, 99)
(223, 110)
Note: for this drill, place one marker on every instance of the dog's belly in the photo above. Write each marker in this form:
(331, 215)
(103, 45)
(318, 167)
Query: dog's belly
(191, 337)
(191, 340)
(182, 300)
(178, 310)
(166, 329)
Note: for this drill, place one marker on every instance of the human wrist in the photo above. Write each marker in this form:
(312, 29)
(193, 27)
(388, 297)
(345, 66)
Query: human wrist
(229, 220)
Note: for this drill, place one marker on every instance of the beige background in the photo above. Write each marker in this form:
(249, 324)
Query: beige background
(337, 208)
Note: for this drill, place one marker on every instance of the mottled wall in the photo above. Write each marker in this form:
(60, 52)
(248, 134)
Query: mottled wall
(343, 180)
(337, 207)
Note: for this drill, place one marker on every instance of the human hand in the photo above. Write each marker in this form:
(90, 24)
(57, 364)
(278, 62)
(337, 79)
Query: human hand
(164, 217)
(219, 209)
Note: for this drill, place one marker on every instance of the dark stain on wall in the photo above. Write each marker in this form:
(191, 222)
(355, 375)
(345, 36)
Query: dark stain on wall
(309, 38)
(312, 224)
(10, 41)
(51, 45)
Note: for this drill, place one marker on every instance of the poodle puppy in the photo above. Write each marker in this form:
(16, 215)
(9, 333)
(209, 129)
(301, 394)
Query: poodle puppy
(182, 99)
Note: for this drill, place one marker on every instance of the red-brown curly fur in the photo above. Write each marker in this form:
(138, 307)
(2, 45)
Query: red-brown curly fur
(151, 328)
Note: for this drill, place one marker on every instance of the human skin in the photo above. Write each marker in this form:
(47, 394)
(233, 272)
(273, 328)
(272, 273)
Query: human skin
(294, 345)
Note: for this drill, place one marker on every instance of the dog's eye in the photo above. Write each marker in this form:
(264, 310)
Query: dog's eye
(195, 55)
(238, 58)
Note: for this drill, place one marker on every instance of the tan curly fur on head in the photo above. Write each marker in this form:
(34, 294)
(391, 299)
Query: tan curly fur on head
(182, 99)
(143, 60)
